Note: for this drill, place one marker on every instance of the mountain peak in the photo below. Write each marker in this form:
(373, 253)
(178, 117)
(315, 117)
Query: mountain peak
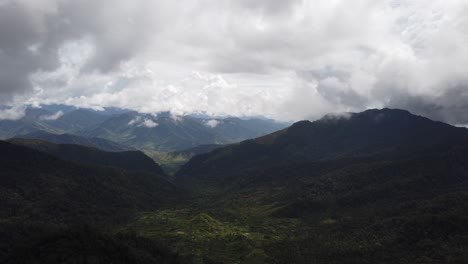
(374, 131)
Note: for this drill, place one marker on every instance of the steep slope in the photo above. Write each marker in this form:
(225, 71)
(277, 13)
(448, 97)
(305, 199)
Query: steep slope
(382, 186)
(47, 206)
(368, 133)
(389, 209)
(36, 184)
(99, 143)
(128, 160)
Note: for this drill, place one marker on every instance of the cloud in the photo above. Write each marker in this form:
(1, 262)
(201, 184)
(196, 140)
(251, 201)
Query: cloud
(33, 34)
(148, 123)
(212, 123)
(51, 117)
(134, 121)
(287, 60)
(12, 113)
(142, 122)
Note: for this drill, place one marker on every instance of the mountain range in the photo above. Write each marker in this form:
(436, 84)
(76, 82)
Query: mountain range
(372, 132)
(380, 186)
(131, 130)
(95, 142)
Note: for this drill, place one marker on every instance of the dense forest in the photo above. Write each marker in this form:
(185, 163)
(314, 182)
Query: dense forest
(381, 186)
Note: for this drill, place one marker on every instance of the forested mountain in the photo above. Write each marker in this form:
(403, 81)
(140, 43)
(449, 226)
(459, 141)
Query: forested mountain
(40, 119)
(99, 143)
(37, 183)
(371, 132)
(167, 133)
(127, 160)
(381, 186)
(43, 196)
(162, 132)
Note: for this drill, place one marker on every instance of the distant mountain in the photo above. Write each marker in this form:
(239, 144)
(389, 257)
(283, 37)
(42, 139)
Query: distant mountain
(128, 160)
(361, 134)
(144, 131)
(29, 123)
(161, 132)
(54, 108)
(231, 129)
(41, 119)
(99, 143)
(77, 121)
(167, 133)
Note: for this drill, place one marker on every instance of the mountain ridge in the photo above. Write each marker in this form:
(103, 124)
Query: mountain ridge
(66, 138)
(366, 133)
(127, 160)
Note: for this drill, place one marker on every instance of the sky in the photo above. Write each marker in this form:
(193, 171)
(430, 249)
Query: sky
(283, 59)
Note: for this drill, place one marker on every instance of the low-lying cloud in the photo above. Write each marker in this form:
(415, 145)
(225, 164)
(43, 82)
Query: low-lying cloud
(51, 117)
(142, 122)
(212, 123)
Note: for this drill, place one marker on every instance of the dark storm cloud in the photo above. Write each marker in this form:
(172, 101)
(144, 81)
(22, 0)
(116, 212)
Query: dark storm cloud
(31, 37)
(18, 33)
(449, 107)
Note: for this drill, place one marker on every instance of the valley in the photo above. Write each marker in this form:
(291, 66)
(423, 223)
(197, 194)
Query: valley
(380, 186)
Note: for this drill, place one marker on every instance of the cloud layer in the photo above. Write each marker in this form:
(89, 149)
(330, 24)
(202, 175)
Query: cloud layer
(286, 59)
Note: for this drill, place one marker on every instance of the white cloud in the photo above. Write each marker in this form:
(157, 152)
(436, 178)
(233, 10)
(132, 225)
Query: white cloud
(134, 121)
(288, 59)
(176, 118)
(212, 123)
(51, 117)
(142, 122)
(12, 113)
(148, 123)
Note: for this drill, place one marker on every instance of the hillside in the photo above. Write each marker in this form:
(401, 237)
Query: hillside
(128, 160)
(390, 187)
(42, 196)
(381, 186)
(371, 132)
(99, 143)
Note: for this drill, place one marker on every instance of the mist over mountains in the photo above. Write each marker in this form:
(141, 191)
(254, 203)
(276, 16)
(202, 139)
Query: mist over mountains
(160, 132)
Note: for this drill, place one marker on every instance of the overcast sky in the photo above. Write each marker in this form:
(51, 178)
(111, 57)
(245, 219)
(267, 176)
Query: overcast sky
(285, 59)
